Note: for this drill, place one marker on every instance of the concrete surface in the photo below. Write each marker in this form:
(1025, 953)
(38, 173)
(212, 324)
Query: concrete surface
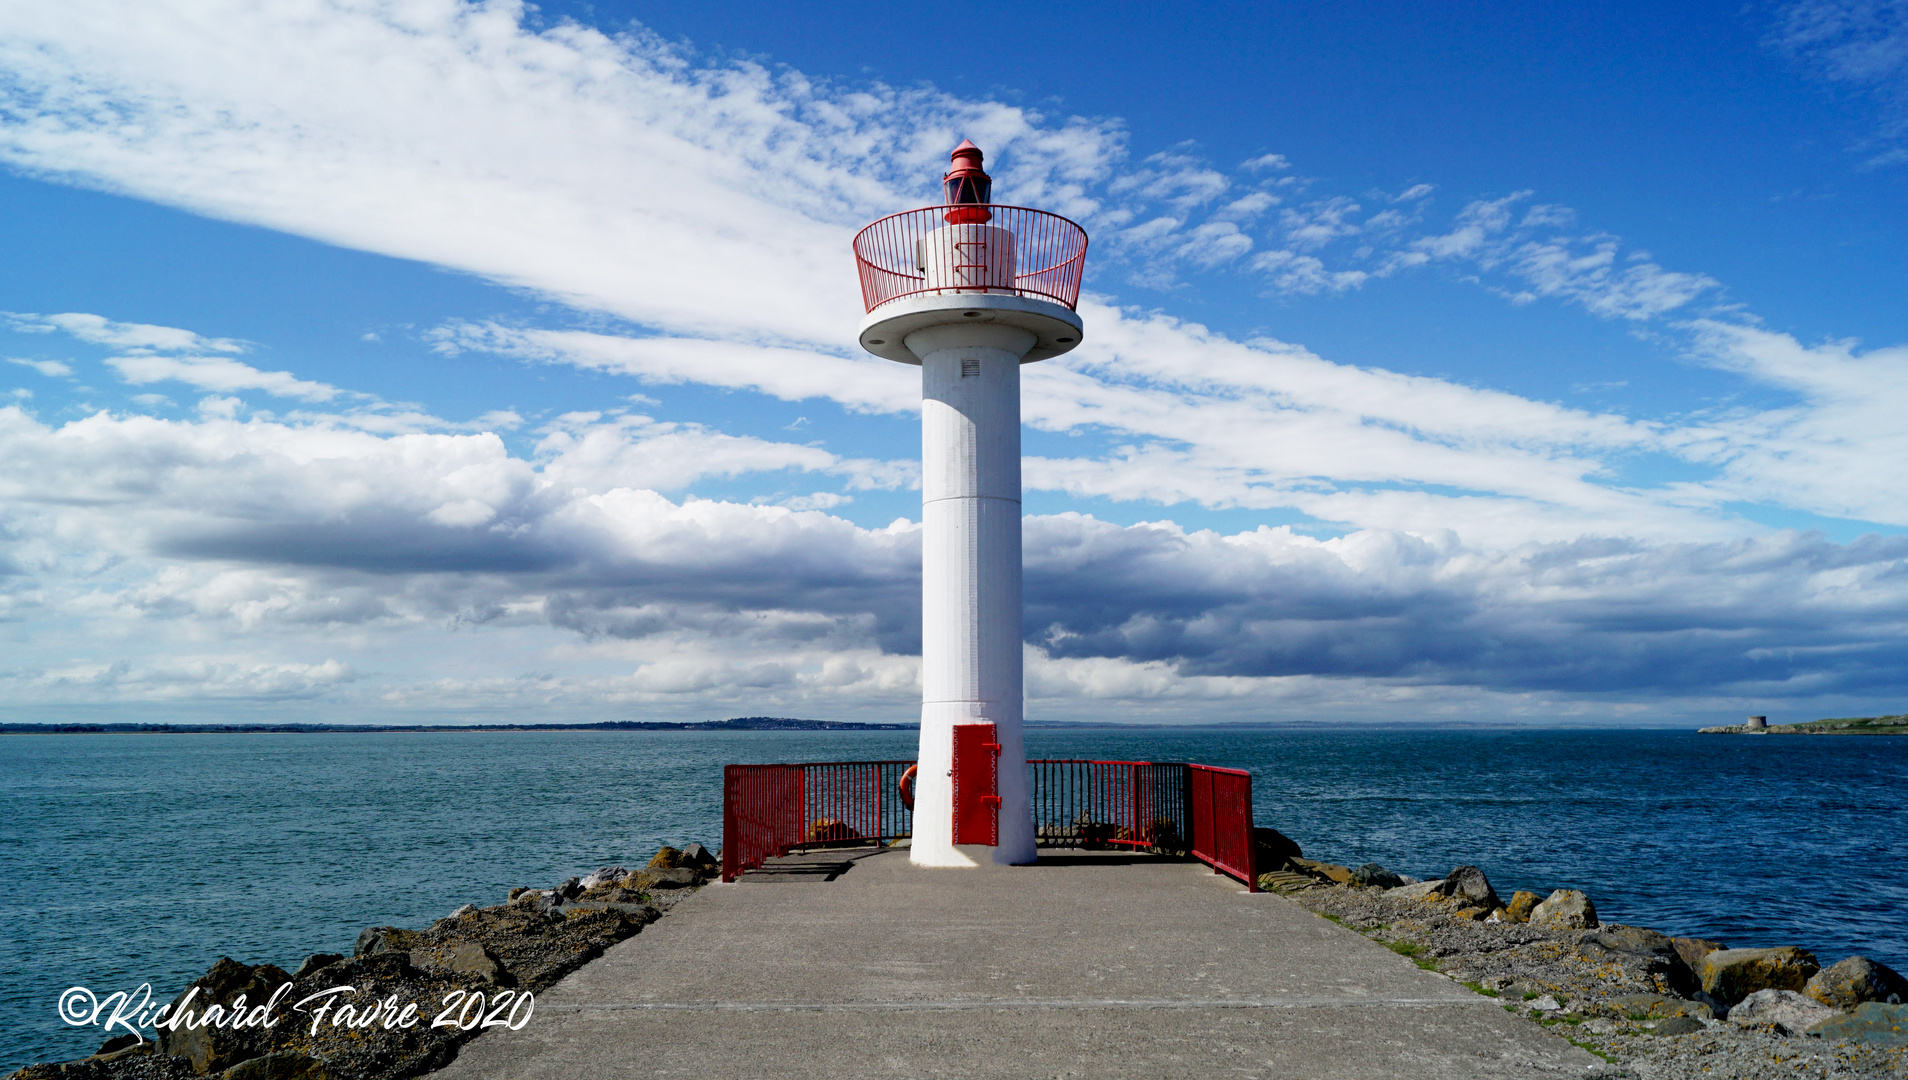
(1083, 965)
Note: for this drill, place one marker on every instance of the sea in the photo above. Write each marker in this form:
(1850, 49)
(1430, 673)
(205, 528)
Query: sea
(142, 858)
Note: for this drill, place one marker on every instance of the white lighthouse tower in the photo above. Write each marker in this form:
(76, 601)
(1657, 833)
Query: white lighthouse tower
(970, 291)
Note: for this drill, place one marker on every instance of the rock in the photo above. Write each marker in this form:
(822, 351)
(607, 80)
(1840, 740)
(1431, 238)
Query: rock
(516, 892)
(132, 1050)
(1497, 915)
(1693, 949)
(1677, 1025)
(1872, 1022)
(1546, 1003)
(1718, 1009)
(1471, 914)
(570, 889)
(212, 1047)
(680, 877)
(1423, 890)
(465, 957)
(1565, 909)
(285, 1066)
(467, 909)
(1654, 1006)
(1850, 982)
(666, 858)
(530, 898)
(314, 962)
(1630, 939)
(1521, 903)
(1657, 951)
(698, 857)
(1469, 884)
(1733, 974)
(638, 913)
(608, 875)
(1375, 876)
(381, 939)
(116, 1044)
(1332, 872)
(1273, 850)
(1789, 1011)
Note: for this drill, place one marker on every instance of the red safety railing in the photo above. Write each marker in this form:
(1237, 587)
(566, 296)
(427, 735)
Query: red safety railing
(971, 249)
(768, 810)
(761, 814)
(1205, 812)
(1220, 804)
(1079, 803)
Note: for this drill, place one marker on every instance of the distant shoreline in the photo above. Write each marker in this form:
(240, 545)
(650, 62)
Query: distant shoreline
(746, 723)
(1853, 725)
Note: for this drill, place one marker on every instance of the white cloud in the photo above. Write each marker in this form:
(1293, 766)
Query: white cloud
(1585, 268)
(1319, 223)
(1180, 180)
(1862, 43)
(1267, 163)
(1305, 274)
(862, 382)
(164, 353)
(52, 369)
(184, 556)
(1477, 226)
(1592, 277)
(99, 330)
(818, 500)
(710, 203)
(636, 451)
(1838, 451)
(216, 373)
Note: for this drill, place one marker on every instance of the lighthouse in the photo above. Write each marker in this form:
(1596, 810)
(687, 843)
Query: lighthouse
(970, 291)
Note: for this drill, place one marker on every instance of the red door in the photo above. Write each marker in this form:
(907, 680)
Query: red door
(976, 784)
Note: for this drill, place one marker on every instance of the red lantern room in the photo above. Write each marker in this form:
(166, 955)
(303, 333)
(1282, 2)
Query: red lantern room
(967, 185)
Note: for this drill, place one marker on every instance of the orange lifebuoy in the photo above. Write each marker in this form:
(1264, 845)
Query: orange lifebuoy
(907, 786)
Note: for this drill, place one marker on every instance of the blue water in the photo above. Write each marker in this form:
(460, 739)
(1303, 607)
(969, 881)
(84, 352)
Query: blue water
(143, 858)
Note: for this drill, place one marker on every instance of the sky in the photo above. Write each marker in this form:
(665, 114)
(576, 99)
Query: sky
(416, 361)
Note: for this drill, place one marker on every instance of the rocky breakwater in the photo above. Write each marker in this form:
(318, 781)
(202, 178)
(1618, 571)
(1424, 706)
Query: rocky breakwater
(413, 997)
(1651, 1005)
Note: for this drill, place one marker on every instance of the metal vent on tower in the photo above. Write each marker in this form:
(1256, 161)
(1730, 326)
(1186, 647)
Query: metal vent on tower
(970, 369)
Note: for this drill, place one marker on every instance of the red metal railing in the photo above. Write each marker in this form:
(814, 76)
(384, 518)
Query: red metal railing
(971, 249)
(1220, 804)
(761, 814)
(1078, 803)
(769, 810)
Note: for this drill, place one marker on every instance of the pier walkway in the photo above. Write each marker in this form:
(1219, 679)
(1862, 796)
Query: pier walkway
(856, 964)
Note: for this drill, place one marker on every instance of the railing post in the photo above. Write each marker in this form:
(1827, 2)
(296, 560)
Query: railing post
(1212, 814)
(1251, 848)
(1134, 800)
(730, 852)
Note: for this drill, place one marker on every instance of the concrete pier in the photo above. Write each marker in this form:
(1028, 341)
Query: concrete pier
(858, 964)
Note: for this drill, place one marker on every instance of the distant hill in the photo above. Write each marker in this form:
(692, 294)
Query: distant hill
(742, 723)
